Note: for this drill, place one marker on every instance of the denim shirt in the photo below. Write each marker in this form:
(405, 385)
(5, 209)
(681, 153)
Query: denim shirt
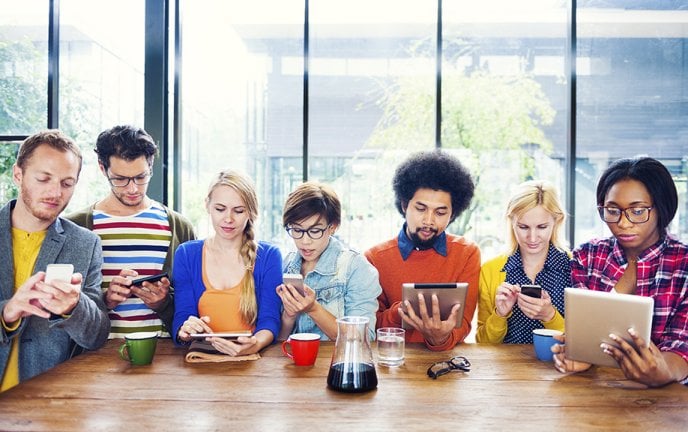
(345, 284)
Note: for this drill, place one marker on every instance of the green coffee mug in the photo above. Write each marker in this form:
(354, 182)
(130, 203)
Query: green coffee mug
(139, 348)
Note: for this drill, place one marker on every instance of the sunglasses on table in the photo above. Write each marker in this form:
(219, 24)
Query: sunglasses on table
(458, 363)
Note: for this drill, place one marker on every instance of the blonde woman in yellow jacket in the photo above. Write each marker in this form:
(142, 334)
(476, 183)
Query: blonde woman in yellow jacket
(536, 257)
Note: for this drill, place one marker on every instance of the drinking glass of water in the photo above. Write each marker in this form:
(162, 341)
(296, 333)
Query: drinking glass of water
(390, 346)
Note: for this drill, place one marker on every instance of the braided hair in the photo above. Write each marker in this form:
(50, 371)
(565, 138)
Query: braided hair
(242, 185)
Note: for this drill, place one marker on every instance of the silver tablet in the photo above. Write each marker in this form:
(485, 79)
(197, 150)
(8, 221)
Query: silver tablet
(448, 294)
(226, 335)
(592, 315)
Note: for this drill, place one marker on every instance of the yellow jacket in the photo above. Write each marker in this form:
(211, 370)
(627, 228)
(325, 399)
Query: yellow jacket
(491, 327)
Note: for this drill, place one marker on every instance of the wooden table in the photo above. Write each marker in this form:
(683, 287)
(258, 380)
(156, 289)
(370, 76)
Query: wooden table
(506, 388)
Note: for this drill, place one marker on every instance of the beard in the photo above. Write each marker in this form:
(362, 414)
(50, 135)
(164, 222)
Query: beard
(421, 244)
(33, 205)
(121, 197)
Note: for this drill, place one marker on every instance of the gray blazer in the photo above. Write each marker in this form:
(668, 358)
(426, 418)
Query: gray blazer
(44, 343)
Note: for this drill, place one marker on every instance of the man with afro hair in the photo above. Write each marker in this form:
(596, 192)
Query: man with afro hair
(431, 190)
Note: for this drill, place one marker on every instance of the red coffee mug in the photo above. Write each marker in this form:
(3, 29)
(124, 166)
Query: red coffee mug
(304, 348)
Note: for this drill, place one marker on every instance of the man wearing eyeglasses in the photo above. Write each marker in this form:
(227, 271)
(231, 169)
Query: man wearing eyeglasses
(139, 235)
(431, 190)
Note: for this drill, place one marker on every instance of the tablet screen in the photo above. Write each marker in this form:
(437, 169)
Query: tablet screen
(448, 294)
(226, 335)
(592, 315)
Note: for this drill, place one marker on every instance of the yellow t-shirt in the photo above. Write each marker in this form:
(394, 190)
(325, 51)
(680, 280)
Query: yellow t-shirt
(25, 248)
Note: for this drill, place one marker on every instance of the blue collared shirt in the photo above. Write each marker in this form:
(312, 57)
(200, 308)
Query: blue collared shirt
(406, 246)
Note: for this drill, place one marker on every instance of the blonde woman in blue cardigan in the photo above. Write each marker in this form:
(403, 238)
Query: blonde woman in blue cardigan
(536, 257)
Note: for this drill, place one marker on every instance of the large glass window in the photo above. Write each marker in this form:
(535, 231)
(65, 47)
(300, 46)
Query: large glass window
(371, 97)
(371, 69)
(23, 66)
(242, 100)
(23, 79)
(504, 105)
(632, 97)
(101, 78)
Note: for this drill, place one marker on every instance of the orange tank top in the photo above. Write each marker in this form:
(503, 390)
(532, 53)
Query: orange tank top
(222, 307)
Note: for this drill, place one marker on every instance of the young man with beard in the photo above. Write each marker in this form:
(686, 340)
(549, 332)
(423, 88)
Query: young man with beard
(139, 235)
(431, 190)
(43, 322)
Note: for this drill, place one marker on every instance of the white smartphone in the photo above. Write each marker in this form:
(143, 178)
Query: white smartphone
(60, 272)
(296, 280)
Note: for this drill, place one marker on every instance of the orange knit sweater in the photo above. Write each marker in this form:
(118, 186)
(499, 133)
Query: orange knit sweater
(462, 264)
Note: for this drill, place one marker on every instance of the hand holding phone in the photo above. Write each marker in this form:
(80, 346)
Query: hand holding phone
(296, 280)
(60, 272)
(532, 290)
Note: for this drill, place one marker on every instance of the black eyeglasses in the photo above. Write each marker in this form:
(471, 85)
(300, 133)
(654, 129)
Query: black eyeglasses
(636, 215)
(314, 233)
(444, 367)
(139, 180)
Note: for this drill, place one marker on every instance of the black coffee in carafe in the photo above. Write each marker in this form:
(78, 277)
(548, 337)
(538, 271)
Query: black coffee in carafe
(352, 377)
(352, 369)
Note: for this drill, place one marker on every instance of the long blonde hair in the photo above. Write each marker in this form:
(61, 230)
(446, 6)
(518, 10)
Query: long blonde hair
(248, 306)
(526, 197)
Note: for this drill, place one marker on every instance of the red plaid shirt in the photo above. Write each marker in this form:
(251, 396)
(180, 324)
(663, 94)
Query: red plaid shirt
(662, 274)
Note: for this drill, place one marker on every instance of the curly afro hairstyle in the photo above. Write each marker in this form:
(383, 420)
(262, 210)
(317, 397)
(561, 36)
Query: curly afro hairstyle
(435, 170)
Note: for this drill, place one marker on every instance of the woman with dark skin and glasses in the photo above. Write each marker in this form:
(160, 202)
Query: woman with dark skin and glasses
(637, 199)
(337, 281)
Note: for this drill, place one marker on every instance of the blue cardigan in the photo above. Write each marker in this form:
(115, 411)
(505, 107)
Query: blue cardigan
(187, 279)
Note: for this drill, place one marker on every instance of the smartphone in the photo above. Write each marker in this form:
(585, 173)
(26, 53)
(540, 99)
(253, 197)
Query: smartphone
(532, 290)
(151, 279)
(225, 335)
(61, 272)
(296, 280)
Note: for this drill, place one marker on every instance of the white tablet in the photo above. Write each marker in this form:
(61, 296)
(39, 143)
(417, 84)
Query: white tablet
(592, 315)
(226, 335)
(448, 294)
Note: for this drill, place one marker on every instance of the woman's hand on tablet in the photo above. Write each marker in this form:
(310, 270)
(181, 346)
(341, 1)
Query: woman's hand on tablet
(242, 345)
(505, 298)
(193, 325)
(644, 362)
(561, 363)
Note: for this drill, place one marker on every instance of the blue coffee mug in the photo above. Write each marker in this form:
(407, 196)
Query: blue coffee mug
(543, 341)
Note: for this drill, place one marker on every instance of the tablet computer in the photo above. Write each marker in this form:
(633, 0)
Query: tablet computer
(592, 315)
(448, 295)
(226, 335)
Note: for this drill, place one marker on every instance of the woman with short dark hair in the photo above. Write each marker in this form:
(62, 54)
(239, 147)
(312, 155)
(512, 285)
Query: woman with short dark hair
(637, 199)
(338, 280)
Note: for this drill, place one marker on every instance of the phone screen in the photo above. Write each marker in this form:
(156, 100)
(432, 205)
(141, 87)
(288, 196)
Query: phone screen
(532, 290)
(296, 280)
(151, 279)
(62, 272)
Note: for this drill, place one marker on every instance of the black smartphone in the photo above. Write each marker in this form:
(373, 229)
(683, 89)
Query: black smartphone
(151, 279)
(532, 290)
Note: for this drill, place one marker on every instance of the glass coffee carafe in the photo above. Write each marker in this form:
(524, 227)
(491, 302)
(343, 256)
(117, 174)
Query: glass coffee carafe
(352, 369)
